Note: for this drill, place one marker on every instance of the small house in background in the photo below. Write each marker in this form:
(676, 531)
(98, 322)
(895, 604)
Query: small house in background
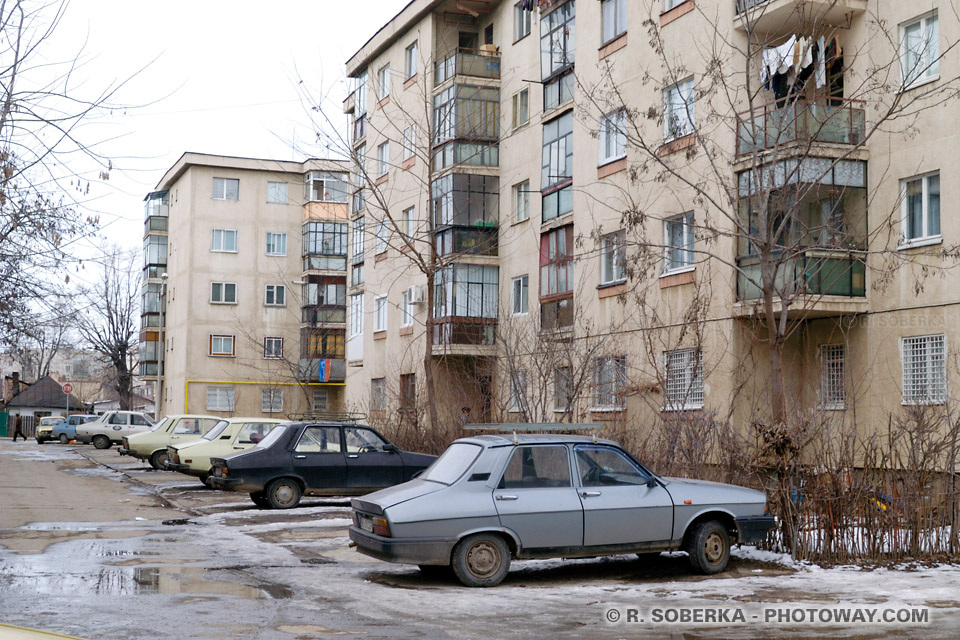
(45, 397)
(109, 400)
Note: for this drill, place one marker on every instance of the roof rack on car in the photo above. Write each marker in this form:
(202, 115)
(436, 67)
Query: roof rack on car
(330, 416)
(533, 427)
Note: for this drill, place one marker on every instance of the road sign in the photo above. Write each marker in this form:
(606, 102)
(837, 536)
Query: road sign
(68, 388)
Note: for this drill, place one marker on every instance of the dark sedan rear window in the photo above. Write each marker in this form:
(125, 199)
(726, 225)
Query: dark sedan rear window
(452, 464)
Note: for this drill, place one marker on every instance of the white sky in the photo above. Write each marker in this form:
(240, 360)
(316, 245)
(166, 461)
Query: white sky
(223, 80)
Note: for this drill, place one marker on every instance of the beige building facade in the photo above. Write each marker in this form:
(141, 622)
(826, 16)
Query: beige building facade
(243, 309)
(612, 210)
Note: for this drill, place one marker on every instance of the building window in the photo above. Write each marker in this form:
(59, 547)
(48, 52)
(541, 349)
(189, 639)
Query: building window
(612, 261)
(518, 391)
(521, 294)
(613, 136)
(678, 236)
(327, 344)
(356, 314)
(271, 400)
(924, 369)
(521, 108)
(614, 18)
(276, 295)
(321, 400)
(410, 61)
(610, 381)
(357, 247)
(325, 239)
(406, 310)
(276, 244)
(223, 293)
(326, 186)
(226, 189)
(360, 165)
(556, 261)
(409, 141)
(684, 379)
(357, 275)
(408, 392)
(383, 82)
(521, 21)
(359, 200)
(382, 237)
(559, 90)
(277, 193)
(222, 346)
(220, 399)
(272, 348)
(557, 40)
(360, 93)
(557, 167)
(670, 4)
(466, 291)
(383, 159)
(521, 198)
(563, 389)
(921, 208)
(833, 393)
(223, 240)
(410, 222)
(920, 50)
(678, 112)
(378, 394)
(380, 313)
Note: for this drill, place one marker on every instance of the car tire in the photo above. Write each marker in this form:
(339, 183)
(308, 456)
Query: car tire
(260, 500)
(709, 547)
(481, 560)
(203, 479)
(64, 439)
(158, 458)
(101, 442)
(40, 441)
(283, 493)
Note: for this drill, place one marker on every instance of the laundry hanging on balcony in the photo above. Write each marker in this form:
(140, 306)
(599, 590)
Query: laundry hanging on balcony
(786, 68)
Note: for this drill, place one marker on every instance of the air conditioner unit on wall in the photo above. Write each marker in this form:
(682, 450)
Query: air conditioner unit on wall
(415, 294)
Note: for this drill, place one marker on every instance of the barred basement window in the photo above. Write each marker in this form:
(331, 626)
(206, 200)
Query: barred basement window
(611, 378)
(924, 369)
(271, 400)
(833, 393)
(684, 379)
(220, 399)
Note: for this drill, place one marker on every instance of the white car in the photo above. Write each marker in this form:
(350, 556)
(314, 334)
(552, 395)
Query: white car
(111, 427)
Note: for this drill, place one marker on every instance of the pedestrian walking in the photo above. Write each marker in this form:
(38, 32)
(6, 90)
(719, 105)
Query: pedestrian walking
(18, 429)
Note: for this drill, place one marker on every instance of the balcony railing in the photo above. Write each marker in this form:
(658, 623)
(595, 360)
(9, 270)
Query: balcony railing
(746, 5)
(793, 119)
(471, 331)
(322, 315)
(817, 272)
(467, 62)
(481, 240)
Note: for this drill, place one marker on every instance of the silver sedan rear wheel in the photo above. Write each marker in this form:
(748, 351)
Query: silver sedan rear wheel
(481, 560)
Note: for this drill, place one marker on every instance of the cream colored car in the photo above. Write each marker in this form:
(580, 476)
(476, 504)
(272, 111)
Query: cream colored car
(178, 429)
(228, 436)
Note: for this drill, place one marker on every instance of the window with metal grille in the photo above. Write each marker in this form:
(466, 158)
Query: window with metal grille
(321, 400)
(833, 393)
(271, 400)
(220, 399)
(611, 378)
(924, 369)
(684, 379)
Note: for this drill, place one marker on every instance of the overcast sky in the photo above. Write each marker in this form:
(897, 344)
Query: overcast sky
(221, 77)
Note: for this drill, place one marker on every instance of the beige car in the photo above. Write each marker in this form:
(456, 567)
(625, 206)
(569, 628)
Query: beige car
(178, 429)
(45, 428)
(228, 436)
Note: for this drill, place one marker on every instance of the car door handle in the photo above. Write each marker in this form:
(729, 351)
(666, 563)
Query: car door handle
(590, 494)
(507, 497)
(352, 455)
(242, 448)
(297, 457)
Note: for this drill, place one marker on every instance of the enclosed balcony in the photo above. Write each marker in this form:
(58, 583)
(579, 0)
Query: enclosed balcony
(325, 246)
(465, 305)
(466, 210)
(322, 355)
(478, 63)
(156, 211)
(466, 122)
(776, 17)
(798, 121)
(154, 256)
(324, 300)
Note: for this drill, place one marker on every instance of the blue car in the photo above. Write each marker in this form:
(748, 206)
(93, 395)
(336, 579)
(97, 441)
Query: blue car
(66, 430)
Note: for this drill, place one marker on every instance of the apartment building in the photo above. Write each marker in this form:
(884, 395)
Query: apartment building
(243, 309)
(602, 210)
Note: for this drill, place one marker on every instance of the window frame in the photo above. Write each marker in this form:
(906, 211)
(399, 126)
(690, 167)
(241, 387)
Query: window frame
(380, 316)
(224, 193)
(277, 289)
(520, 105)
(268, 400)
(272, 188)
(383, 159)
(929, 71)
(222, 354)
(410, 60)
(688, 261)
(925, 221)
(521, 200)
(317, 393)
(223, 235)
(930, 370)
(383, 82)
(833, 372)
(612, 136)
(560, 261)
(692, 380)
(271, 353)
(356, 305)
(406, 310)
(279, 244)
(382, 237)
(409, 142)
(675, 126)
(520, 295)
(222, 393)
(613, 247)
(410, 222)
(522, 22)
(610, 381)
(619, 10)
(519, 383)
(223, 290)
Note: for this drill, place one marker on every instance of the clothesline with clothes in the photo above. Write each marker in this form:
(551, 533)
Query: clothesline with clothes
(786, 68)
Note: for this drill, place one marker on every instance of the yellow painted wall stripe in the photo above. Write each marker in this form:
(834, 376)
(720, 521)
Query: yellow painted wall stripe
(186, 386)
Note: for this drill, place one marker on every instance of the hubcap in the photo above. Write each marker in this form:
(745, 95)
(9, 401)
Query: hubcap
(283, 494)
(483, 559)
(713, 548)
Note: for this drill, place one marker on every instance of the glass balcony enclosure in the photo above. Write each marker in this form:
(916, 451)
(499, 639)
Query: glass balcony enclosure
(467, 62)
(466, 211)
(826, 120)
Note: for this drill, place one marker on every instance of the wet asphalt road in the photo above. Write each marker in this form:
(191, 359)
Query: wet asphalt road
(97, 545)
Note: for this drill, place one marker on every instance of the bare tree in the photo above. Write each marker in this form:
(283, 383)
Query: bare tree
(109, 321)
(40, 341)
